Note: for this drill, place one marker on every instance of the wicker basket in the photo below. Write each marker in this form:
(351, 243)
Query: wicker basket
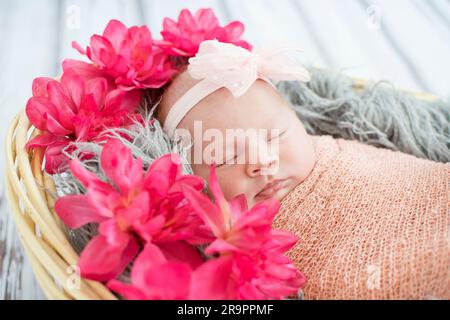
(30, 192)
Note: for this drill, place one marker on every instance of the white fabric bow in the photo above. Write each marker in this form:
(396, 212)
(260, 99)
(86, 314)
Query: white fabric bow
(237, 69)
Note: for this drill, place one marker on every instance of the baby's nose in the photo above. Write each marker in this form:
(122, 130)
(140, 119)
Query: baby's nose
(265, 163)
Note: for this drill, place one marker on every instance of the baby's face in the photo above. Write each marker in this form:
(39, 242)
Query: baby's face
(256, 142)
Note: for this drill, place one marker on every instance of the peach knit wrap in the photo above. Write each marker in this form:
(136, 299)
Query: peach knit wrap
(372, 224)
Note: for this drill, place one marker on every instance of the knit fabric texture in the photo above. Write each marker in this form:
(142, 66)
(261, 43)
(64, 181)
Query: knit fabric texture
(372, 224)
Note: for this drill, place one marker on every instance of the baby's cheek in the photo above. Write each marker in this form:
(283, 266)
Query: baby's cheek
(297, 158)
(290, 155)
(233, 182)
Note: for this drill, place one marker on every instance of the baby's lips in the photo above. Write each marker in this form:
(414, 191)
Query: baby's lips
(271, 188)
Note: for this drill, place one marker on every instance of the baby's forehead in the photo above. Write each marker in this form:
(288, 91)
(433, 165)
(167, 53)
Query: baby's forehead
(256, 108)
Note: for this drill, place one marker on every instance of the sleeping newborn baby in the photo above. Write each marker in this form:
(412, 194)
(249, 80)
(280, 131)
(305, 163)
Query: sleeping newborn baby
(262, 111)
(372, 223)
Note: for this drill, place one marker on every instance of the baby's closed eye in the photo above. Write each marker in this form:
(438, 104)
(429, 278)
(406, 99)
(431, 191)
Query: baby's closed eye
(276, 134)
(231, 156)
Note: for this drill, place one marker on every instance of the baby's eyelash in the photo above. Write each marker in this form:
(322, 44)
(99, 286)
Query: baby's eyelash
(235, 157)
(226, 162)
(281, 134)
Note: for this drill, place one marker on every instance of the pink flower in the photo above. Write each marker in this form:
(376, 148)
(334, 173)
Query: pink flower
(266, 274)
(235, 227)
(74, 109)
(251, 263)
(257, 270)
(153, 277)
(127, 56)
(133, 207)
(182, 38)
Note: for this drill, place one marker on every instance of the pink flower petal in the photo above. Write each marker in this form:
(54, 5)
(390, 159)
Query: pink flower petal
(157, 184)
(281, 271)
(119, 101)
(100, 261)
(101, 194)
(141, 40)
(209, 213)
(76, 211)
(116, 33)
(151, 227)
(170, 26)
(238, 206)
(75, 67)
(86, 177)
(103, 52)
(283, 240)
(234, 30)
(168, 165)
(42, 140)
(97, 88)
(187, 180)
(243, 44)
(276, 289)
(127, 291)
(74, 86)
(90, 110)
(118, 69)
(54, 126)
(138, 209)
(206, 19)
(40, 86)
(248, 291)
(211, 280)
(220, 246)
(159, 278)
(180, 251)
(55, 160)
(77, 47)
(119, 165)
(169, 281)
(186, 19)
(113, 233)
(66, 107)
(219, 198)
(271, 205)
(151, 256)
(36, 108)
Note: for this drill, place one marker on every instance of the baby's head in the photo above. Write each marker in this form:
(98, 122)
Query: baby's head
(256, 142)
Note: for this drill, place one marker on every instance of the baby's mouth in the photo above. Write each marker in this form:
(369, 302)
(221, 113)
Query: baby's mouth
(271, 188)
